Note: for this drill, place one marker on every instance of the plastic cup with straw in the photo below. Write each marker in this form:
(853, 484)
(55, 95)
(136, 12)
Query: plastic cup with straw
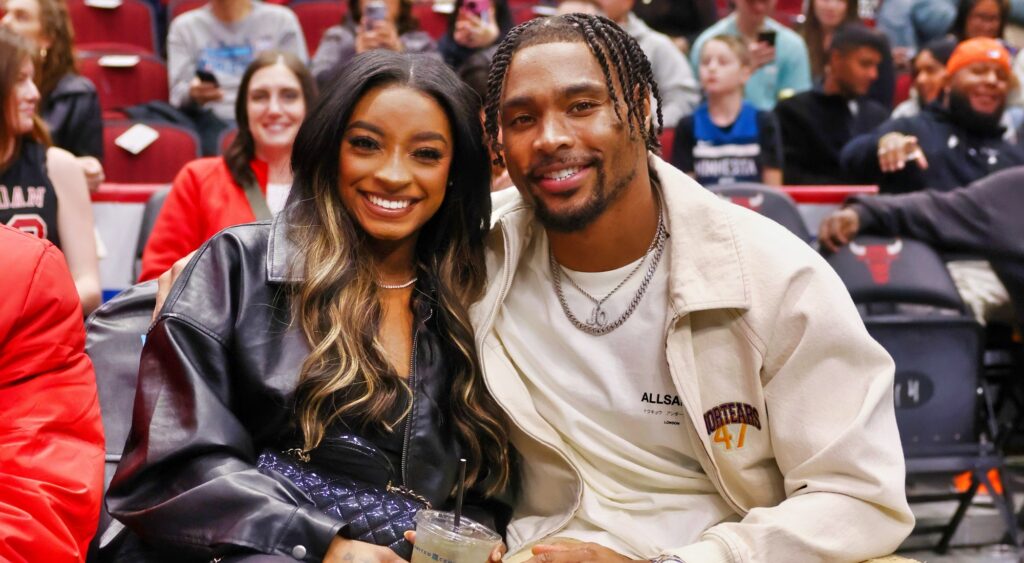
(449, 537)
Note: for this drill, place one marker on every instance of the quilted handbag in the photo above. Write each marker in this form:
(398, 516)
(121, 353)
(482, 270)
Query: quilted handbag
(356, 487)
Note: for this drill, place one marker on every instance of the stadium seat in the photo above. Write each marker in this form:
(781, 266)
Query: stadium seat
(226, 137)
(132, 23)
(434, 23)
(178, 7)
(667, 138)
(122, 85)
(157, 163)
(768, 201)
(315, 16)
(911, 306)
(114, 338)
(149, 214)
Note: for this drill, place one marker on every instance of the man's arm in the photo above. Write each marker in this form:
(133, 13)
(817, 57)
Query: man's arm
(51, 438)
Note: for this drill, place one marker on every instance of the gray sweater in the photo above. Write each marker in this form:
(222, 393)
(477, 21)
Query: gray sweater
(197, 39)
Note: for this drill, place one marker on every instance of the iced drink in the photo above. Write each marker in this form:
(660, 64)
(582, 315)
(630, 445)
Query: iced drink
(437, 540)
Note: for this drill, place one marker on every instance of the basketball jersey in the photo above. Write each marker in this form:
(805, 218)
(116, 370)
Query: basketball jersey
(729, 155)
(27, 199)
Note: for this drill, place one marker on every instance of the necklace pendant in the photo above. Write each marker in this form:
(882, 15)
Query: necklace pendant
(598, 317)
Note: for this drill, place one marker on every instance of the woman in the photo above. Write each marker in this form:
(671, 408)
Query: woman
(821, 19)
(345, 316)
(210, 194)
(398, 31)
(69, 104)
(474, 27)
(727, 139)
(42, 190)
(929, 73)
(981, 18)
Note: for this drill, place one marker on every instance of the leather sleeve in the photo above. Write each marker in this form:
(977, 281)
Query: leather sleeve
(51, 458)
(188, 481)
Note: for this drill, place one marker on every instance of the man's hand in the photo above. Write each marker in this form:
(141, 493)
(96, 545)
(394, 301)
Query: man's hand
(93, 171)
(204, 92)
(838, 229)
(342, 550)
(576, 553)
(896, 149)
(761, 53)
(495, 556)
(166, 281)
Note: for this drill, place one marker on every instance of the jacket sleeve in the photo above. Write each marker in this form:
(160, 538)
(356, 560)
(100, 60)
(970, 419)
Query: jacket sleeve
(841, 459)
(51, 461)
(181, 64)
(859, 158)
(678, 87)
(983, 217)
(188, 480)
(76, 123)
(178, 228)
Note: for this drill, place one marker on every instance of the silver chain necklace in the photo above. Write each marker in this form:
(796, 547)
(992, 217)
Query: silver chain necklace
(598, 323)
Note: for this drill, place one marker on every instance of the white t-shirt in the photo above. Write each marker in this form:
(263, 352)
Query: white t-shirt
(613, 401)
(277, 194)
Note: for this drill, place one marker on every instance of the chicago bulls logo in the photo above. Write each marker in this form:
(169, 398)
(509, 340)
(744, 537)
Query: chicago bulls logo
(878, 257)
(752, 203)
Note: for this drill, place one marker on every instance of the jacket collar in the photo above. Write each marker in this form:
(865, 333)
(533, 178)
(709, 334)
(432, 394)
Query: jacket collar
(708, 270)
(284, 265)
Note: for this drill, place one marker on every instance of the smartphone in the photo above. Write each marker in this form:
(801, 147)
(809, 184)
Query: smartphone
(479, 8)
(767, 36)
(373, 12)
(206, 76)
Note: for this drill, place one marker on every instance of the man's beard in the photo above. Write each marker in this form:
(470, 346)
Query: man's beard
(581, 217)
(974, 121)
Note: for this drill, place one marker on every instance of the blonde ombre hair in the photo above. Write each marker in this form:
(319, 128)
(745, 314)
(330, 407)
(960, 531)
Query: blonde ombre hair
(338, 305)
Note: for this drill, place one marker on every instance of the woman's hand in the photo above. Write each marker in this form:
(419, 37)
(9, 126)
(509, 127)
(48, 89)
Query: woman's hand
(93, 171)
(472, 32)
(382, 35)
(342, 550)
(495, 556)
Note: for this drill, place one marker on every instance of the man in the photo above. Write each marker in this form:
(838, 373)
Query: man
(673, 74)
(686, 380)
(951, 143)
(219, 40)
(51, 438)
(815, 125)
(780, 55)
(983, 219)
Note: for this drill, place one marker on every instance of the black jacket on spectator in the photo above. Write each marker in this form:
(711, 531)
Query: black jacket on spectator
(216, 385)
(815, 126)
(984, 219)
(957, 155)
(677, 18)
(72, 112)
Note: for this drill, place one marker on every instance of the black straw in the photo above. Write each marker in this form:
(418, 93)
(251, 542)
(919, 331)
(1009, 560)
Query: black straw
(459, 490)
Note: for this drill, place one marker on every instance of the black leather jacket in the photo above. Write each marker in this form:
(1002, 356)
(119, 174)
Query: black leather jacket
(215, 387)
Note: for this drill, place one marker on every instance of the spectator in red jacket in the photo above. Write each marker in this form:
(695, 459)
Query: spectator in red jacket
(51, 438)
(209, 194)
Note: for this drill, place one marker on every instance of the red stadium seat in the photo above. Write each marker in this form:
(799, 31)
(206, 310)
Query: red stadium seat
(132, 23)
(178, 7)
(434, 23)
(667, 137)
(120, 87)
(157, 163)
(315, 16)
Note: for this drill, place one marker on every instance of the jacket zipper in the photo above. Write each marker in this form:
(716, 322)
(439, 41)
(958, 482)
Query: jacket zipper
(412, 397)
(506, 284)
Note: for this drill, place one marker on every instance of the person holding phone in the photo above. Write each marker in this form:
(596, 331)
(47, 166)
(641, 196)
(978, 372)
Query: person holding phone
(474, 28)
(368, 25)
(779, 55)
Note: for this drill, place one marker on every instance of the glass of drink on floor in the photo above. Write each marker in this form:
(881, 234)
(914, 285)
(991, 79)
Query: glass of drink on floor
(438, 540)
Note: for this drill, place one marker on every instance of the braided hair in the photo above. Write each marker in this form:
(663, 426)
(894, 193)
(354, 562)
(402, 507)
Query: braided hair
(618, 54)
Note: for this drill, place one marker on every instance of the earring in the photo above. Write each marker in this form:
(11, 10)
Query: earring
(42, 53)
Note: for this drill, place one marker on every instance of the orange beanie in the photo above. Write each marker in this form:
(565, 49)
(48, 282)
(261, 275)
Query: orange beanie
(979, 49)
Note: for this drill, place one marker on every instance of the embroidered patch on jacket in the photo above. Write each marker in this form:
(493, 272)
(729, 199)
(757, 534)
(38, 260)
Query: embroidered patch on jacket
(717, 419)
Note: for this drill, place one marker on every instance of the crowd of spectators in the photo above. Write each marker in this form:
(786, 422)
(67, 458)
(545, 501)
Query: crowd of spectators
(917, 96)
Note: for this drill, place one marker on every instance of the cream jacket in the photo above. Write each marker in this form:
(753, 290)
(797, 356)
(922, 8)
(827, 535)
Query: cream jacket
(765, 342)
